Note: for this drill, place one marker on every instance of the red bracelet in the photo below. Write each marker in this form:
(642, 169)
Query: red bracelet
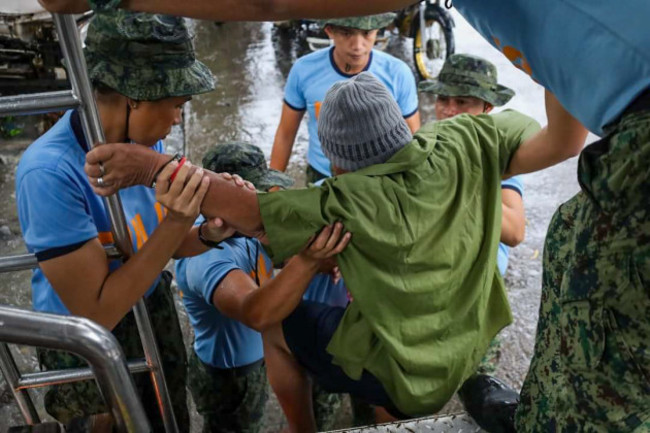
(180, 164)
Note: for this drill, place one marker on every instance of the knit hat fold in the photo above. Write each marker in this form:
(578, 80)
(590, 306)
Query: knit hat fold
(360, 123)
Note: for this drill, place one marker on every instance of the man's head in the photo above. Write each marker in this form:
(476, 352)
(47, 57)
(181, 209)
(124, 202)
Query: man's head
(360, 124)
(144, 62)
(247, 161)
(354, 37)
(466, 84)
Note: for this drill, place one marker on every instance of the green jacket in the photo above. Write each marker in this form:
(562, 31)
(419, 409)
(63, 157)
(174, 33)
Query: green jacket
(421, 266)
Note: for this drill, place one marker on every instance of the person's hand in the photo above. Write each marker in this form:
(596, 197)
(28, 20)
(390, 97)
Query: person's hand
(329, 242)
(216, 230)
(120, 165)
(182, 198)
(238, 180)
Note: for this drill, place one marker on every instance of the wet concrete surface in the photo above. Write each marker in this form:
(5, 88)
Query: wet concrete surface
(251, 62)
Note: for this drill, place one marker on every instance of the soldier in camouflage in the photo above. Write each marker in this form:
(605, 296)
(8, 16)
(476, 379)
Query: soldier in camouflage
(143, 68)
(230, 387)
(591, 365)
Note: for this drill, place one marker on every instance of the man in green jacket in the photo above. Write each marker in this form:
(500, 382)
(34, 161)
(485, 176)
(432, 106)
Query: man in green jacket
(421, 266)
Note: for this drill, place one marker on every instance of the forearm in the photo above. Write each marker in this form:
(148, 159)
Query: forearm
(263, 10)
(126, 285)
(562, 138)
(281, 151)
(277, 298)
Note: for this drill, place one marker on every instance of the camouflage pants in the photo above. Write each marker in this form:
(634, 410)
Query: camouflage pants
(232, 403)
(490, 361)
(591, 365)
(312, 175)
(72, 401)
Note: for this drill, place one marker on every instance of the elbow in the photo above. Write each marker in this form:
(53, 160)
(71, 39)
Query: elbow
(259, 321)
(515, 237)
(573, 151)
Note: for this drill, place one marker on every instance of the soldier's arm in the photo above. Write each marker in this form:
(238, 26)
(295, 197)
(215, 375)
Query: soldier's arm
(236, 10)
(562, 138)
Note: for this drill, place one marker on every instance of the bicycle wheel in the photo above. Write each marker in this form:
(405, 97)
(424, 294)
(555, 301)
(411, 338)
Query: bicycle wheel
(431, 47)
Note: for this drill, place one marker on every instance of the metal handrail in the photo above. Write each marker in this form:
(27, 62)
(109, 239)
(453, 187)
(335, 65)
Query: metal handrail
(90, 341)
(20, 105)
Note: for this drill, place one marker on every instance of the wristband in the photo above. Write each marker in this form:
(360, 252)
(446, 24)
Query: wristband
(104, 5)
(176, 157)
(207, 242)
(180, 165)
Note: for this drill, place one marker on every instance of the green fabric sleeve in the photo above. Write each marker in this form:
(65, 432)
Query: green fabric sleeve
(290, 218)
(514, 128)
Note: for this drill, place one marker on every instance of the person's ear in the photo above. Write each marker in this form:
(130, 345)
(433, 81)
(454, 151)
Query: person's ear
(133, 104)
(329, 31)
(487, 107)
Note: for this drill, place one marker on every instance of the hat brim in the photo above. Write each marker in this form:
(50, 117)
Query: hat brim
(270, 178)
(497, 97)
(376, 23)
(152, 84)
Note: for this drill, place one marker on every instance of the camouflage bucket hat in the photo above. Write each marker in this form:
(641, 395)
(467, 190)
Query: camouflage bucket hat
(368, 22)
(465, 75)
(143, 56)
(247, 161)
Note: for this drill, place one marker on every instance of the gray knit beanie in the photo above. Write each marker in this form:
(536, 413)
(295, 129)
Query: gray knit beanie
(360, 123)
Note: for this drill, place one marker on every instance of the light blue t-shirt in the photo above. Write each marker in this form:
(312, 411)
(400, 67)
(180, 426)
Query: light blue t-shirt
(220, 341)
(593, 55)
(58, 209)
(515, 183)
(312, 76)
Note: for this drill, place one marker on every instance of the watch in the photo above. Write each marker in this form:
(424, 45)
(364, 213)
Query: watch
(208, 242)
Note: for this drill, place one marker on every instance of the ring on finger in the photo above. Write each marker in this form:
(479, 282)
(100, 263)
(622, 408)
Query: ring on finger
(100, 181)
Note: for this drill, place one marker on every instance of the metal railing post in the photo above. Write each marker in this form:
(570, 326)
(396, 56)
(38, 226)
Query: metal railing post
(92, 342)
(71, 47)
(12, 375)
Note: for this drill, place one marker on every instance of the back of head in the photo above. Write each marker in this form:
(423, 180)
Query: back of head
(144, 56)
(360, 123)
(247, 161)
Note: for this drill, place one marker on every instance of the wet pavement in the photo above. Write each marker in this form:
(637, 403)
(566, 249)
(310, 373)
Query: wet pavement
(251, 62)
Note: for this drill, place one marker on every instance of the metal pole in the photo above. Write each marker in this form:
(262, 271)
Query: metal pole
(12, 375)
(95, 344)
(37, 103)
(58, 377)
(71, 47)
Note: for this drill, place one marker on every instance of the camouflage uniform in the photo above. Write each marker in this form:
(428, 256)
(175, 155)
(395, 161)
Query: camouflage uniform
(81, 399)
(591, 366)
(247, 161)
(466, 75)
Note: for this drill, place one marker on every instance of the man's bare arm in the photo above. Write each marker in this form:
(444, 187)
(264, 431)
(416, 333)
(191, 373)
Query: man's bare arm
(237, 10)
(127, 164)
(563, 138)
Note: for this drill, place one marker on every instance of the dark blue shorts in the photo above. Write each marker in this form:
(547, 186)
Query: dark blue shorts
(308, 331)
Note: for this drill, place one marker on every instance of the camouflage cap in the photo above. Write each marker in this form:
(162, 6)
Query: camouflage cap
(246, 160)
(466, 75)
(143, 56)
(368, 22)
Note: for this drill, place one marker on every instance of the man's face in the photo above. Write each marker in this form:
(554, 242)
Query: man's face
(450, 106)
(153, 120)
(352, 45)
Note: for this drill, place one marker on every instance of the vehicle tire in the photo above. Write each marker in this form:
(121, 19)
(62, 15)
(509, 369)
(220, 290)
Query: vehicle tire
(430, 54)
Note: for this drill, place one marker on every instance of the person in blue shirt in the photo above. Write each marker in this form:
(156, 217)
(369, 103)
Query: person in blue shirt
(312, 76)
(66, 225)
(226, 294)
